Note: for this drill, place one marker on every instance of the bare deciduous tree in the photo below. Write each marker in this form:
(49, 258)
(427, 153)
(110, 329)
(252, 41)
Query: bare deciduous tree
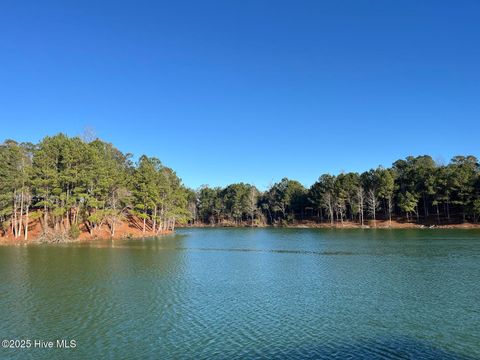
(372, 203)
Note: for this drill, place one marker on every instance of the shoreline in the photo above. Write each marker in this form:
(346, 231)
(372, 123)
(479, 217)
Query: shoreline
(124, 230)
(59, 239)
(379, 224)
(127, 231)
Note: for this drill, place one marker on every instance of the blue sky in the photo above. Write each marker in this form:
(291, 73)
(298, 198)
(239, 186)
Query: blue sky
(229, 91)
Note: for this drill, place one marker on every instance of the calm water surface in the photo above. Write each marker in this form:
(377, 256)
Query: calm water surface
(247, 294)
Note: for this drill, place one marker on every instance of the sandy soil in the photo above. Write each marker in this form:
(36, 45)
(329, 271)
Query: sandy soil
(127, 229)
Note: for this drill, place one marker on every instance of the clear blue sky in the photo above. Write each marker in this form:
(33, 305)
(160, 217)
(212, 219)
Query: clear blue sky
(251, 90)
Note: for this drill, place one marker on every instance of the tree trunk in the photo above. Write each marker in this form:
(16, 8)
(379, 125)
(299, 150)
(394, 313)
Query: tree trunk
(114, 220)
(330, 209)
(14, 220)
(26, 224)
(390, 211)
(67, 213)
(154, 219)
(45, 217)
(21, 216)
(425, 207)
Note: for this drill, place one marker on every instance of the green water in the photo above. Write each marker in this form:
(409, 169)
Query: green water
(248, 294)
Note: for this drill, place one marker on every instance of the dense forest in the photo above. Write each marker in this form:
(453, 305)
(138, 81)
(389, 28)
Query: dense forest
(70, 184)
(416, 189)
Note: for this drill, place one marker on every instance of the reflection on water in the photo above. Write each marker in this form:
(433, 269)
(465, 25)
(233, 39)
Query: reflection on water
(248, 293)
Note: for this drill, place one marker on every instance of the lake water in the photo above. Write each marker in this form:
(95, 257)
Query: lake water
(248, 294)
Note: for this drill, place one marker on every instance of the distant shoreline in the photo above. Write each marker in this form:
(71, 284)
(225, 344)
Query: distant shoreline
(380, 224)
(127, 232)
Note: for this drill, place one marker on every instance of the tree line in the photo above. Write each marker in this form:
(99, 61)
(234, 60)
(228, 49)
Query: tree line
(412, 189)
(69, 185)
